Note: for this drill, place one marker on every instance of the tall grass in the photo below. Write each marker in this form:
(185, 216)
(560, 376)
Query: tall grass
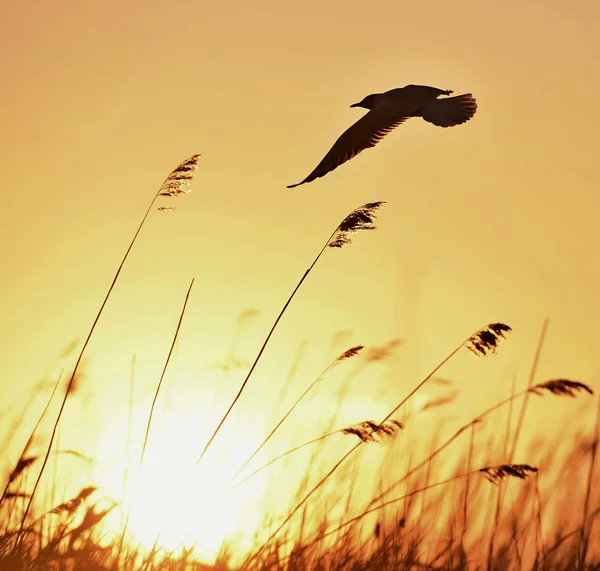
(176, 184)
(458, 524)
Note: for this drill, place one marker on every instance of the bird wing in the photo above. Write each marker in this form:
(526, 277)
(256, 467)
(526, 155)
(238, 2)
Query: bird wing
(450, 111)
(365, 133)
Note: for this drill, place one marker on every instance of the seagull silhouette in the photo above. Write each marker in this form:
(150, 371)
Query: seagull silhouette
(387, 111)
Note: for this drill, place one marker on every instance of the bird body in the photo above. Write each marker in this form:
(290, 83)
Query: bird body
(387, 111)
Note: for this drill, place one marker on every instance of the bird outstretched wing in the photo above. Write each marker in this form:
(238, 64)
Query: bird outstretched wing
(450, 111)
(365, 133)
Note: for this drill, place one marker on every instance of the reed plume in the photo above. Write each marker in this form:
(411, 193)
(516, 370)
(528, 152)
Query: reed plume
(71, 505)
(496, 474)
(561, 387)
(362, 218)
(179, 181)
(486, 340)
(175, 184)
(371, 431)
(21, 466)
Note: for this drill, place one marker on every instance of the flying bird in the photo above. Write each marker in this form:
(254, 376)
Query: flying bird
(387, 111)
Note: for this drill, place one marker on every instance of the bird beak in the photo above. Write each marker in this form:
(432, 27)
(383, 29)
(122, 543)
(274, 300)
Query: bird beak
(355, 105)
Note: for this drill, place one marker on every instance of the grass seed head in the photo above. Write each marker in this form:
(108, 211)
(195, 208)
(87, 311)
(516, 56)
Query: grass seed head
(561, 387)
(486, 340)
(371, 431)
(363, 218)
(349, 353)
(178, 182)
(21, 466)
(496, 474)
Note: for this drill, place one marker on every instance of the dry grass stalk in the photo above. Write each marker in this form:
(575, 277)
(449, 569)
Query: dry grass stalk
(348, 354)
(359, 219)
(482, 342)
(152, 407)
(31, 436)
(588, 519)
(177, 180)
(494, 474)
(531, 378)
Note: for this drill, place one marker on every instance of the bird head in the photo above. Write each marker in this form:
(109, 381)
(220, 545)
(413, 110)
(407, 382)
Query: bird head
(368, 102)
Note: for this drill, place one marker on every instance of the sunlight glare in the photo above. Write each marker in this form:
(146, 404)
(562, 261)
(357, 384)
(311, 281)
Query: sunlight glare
(176, 503)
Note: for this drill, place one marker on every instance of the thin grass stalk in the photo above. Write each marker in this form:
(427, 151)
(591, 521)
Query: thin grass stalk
(162, 375)
(286, 453)
(427, 473)
(460, 431)
(539, 534)
(359, 219)
(259, 355)
(534, 365)
(153, 405)
(178, 181)
(465, 343)
(12, 432)
(129, 426)
(467, 487)
(586, 525)
(559, 387)
(329, 367)
(525, 473)
(499, 491)
(35, 429)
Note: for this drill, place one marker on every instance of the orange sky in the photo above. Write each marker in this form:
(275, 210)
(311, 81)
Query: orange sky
(495, 220)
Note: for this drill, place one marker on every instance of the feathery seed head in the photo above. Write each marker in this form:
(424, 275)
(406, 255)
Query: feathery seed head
(178, 182)
(363, 218)
(486, 340)
(560, 387)
(21, 466)
(371, 431)
(350, 353)
(381, 352)
(71, 505)
(496, 474)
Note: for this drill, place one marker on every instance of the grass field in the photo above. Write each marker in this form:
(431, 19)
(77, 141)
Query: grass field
(418, 488)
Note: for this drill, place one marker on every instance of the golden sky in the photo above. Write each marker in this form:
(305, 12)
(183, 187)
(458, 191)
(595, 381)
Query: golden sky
(495, 220)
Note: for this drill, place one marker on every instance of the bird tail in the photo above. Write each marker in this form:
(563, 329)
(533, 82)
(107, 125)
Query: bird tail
(451, 110)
